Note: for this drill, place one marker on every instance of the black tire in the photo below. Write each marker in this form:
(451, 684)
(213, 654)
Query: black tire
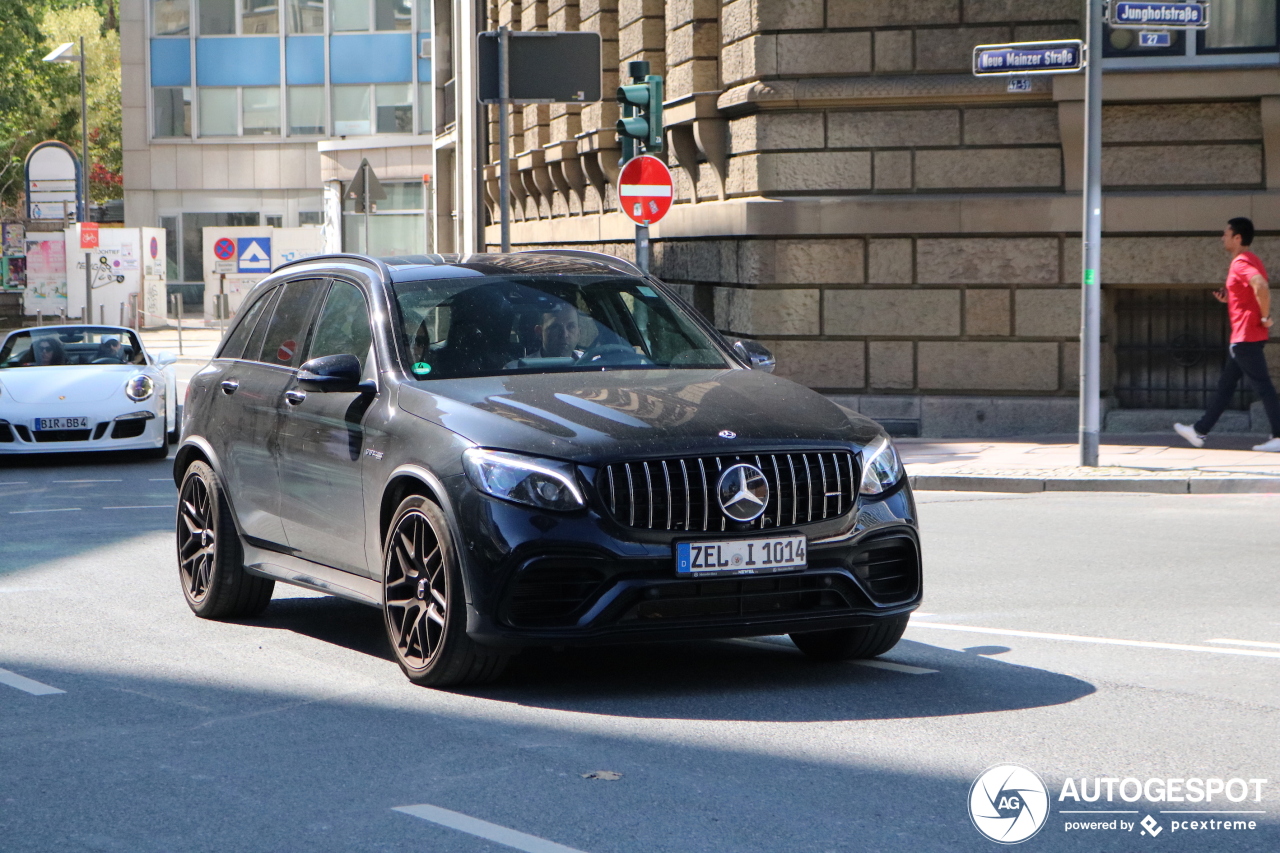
(852, 643)
(210, 558)
(424, 608)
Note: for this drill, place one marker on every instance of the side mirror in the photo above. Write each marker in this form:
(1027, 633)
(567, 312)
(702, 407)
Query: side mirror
(755, 354)
(330, 373)
(164, 358)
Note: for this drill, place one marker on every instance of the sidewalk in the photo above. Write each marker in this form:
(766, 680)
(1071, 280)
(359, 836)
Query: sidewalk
(1161, 463)
(198, 343)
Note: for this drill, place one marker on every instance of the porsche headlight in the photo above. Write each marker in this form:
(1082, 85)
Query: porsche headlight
(544, 483)
(139, 388)
(881, 467)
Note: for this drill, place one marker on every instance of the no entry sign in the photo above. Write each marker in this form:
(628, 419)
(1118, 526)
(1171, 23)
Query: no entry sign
(644, 189)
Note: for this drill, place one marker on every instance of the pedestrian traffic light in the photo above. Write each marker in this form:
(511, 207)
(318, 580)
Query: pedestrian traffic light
(641, 112)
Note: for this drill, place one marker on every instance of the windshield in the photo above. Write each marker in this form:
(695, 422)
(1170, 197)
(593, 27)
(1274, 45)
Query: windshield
(70, 345)
(529, 324)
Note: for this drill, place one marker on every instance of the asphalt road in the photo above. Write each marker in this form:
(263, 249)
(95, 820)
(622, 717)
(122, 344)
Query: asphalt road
(1085, 642)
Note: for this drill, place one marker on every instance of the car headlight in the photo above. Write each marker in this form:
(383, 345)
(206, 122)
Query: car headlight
(544, 483)
(139, 388)
(881, 467)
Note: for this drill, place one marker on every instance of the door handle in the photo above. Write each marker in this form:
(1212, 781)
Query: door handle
(229, 386)
(295, 397)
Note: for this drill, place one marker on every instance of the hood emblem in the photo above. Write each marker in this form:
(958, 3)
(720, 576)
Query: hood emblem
(62, 397)
(727, 433)
(743, 492)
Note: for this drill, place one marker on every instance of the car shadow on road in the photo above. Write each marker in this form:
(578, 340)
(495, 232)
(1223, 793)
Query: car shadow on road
(762, 680)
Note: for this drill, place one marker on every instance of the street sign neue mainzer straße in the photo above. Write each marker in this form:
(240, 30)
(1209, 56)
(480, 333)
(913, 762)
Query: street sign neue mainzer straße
(1044, 57)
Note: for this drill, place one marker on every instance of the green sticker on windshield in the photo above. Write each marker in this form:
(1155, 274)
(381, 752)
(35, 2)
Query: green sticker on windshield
(645, 290)
(422, 368)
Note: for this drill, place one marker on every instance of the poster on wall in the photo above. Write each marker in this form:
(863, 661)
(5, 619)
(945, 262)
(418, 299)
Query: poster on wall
(115, 272)
(46, 273)
(15, 239)
(155, 302)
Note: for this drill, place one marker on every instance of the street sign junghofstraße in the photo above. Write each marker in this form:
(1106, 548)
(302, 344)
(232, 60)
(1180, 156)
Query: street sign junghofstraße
(1123, 14)
(1031, 57)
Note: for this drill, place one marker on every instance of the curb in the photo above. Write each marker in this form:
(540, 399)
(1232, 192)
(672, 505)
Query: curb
(1146, 485)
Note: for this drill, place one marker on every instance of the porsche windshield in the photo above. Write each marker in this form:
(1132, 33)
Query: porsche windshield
(70, 345)
(528, 324)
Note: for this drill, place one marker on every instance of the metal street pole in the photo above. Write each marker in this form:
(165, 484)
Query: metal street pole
(1091, 246)
(88, 287)
(365, 190)
(84, 137)
(504, 165)
(642, 247)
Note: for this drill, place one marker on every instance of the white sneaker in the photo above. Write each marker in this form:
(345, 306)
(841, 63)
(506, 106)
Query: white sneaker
(1194, 438)
(1271, 446)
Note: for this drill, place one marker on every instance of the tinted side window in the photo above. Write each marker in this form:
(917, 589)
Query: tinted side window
(234, 345)
(286, 333)
(343, 326)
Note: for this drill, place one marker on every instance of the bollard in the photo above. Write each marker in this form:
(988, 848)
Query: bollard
(39, 316)
(177, 315)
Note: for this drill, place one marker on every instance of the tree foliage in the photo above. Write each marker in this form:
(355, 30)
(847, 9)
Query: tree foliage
(41, 100)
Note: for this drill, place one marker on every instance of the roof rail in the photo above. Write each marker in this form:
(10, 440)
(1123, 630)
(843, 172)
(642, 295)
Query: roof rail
(338, 256)
(599, 257)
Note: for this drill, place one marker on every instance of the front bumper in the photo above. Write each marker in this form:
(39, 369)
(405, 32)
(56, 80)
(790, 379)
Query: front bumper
(141, 430)
(536, 578)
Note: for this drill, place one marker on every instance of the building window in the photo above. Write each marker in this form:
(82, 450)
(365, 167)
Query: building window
(306, 110)
(259, 17)
(217, 17)
(426, 98)
(310, 217)
(172, 111)
(170, 226)
(274, 220)
(219, 112)
(397, 227)
(351, 111)
(305, 16)
(1237, 26)
(385, 15)
(170, 17)
(350, 15)
(260, 114)
(394, 102)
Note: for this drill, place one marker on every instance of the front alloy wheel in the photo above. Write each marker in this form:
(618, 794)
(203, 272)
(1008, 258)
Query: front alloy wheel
(210, 560)
(423, 602)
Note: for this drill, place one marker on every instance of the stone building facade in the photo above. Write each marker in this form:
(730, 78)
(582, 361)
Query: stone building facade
(903, 235)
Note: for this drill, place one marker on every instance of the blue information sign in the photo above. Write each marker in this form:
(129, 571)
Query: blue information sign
(1130, 15)
(1032, 57)
(1156, 38)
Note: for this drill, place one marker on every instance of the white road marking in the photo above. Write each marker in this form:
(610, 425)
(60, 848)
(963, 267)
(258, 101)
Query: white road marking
(28, 511)
(895, 667)
(88, 481)
(14, 483)
(145, 506)
(484, 829)
(27, 685)
(1105, 641)
(1248, 643)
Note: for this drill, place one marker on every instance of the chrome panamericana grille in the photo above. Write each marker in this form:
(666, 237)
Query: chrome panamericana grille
(680, 494)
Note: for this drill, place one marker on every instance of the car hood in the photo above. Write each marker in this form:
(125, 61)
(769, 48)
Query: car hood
(90, 383)
(590, 417)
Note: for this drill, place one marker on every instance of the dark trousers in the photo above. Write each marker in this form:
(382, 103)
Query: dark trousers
(1246, 360)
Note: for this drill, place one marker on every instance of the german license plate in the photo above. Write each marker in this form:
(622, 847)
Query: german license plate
(741, 556)
(61, 423)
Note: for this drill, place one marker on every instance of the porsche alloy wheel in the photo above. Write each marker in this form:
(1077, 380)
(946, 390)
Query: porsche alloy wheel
(210, 560)
(423, 602)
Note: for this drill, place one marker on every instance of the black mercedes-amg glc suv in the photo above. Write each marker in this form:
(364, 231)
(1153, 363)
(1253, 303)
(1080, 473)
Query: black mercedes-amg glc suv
(538, 448)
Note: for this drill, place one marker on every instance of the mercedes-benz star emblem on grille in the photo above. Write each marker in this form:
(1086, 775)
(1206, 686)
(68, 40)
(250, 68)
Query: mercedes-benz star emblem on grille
(743, 492)
(728, 433)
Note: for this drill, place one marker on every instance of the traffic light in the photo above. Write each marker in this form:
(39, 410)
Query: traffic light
(641, 112)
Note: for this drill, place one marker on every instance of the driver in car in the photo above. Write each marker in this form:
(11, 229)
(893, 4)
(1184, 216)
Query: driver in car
(558, 331)
(108, 349)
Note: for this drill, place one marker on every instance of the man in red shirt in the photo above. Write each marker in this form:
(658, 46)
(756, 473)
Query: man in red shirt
(1248, 298)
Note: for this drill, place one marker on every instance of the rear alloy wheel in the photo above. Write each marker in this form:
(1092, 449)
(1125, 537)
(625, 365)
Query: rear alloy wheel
(210, 559)
(852, 643)
(423, 602)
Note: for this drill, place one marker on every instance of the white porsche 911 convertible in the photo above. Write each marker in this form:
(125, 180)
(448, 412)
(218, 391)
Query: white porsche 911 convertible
(74, 388)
